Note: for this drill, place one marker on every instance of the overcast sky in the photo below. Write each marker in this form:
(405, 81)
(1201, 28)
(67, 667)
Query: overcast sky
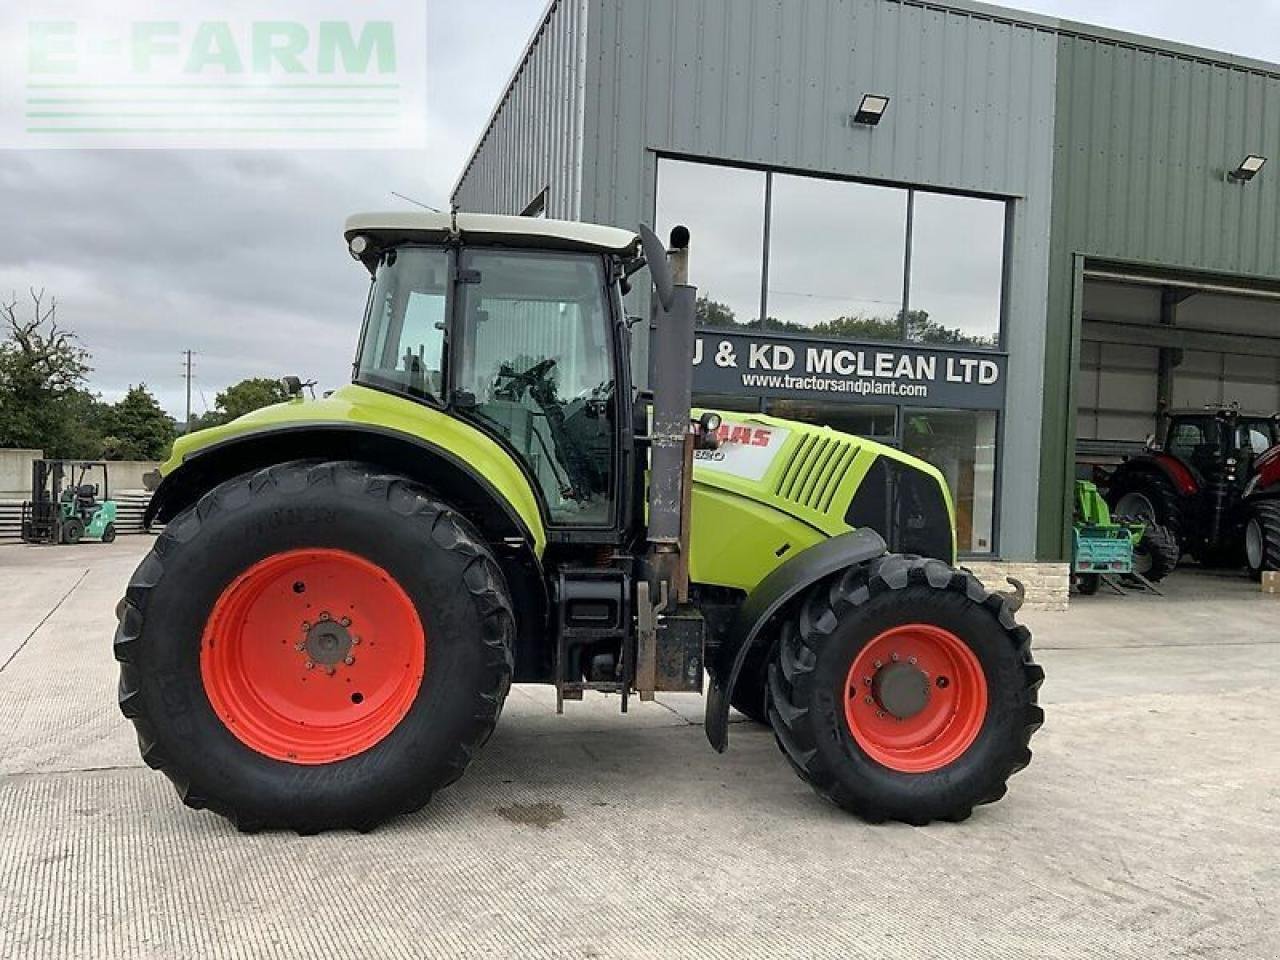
(238, 255)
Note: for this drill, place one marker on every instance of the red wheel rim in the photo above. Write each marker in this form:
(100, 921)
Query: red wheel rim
(312, 656)
(939, 668)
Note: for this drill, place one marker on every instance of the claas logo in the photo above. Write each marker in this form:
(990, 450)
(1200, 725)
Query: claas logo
(747, 436)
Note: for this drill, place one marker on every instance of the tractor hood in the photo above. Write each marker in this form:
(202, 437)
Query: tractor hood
(777, 486)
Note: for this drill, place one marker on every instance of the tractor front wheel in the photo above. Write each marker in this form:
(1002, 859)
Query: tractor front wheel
(1157, 553)
(314, 646)
(904, 690)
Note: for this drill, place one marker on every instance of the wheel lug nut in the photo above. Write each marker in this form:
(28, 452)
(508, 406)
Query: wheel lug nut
(912, 661)
(869, 701)
(879, 664)
(349, 661)
(345, 621)
(879, 714)
(866, 681)
(300, 647)
(306, 625)
(894, 658)
(325, 615)
(310, 665)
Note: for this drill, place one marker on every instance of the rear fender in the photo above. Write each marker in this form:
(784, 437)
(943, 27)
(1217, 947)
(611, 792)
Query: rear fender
(1177, 472)
(447, 475)
(767, 603)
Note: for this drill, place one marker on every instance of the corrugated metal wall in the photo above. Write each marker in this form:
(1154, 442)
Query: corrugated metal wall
(1144, 140)
(775, 82)
(1145, 135)
(534, 140)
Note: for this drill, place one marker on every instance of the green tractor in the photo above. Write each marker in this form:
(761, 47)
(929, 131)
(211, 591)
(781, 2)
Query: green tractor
(1132, 549)
(64, 507)
(345, 589)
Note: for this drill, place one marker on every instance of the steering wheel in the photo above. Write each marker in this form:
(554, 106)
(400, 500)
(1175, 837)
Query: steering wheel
(518, 383)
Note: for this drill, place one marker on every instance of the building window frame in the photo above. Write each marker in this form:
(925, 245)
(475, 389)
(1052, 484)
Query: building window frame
(910, 192)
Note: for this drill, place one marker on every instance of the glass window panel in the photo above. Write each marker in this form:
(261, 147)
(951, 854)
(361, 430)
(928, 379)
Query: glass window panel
(836, 258)
(957, 268)
(537, 358)
(874, 423)
(723, 208)
(962, 444)
(403, 343)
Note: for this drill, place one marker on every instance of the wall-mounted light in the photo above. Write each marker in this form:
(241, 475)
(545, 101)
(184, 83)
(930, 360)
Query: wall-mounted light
(1249, 168)
(871, 110)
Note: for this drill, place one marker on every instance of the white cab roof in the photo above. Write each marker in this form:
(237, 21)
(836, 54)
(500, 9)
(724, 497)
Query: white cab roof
(385, 228)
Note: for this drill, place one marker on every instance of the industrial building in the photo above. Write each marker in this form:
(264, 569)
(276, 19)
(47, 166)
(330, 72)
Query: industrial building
(1005, 242)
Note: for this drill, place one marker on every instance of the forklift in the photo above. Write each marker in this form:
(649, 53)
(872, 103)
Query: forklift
(65, 507)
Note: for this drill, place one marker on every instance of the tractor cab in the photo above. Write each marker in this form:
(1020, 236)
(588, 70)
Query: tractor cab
(524, 344)
(69, 502)
(1219, 443)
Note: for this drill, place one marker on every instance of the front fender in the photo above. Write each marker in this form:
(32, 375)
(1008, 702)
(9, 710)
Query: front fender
(762, 608)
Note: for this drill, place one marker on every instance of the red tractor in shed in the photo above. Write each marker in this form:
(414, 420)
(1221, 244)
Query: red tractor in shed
(1214, 481)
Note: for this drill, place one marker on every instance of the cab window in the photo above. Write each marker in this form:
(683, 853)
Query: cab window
(536, 366)
(402, 349)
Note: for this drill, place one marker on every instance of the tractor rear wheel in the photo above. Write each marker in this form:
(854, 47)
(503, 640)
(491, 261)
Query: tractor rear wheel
(314, 646)
(1145, 496)
(904, 690)
(1262, 538)
(1157, 553)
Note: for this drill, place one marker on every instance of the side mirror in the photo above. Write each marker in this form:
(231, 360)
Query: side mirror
(655, 255)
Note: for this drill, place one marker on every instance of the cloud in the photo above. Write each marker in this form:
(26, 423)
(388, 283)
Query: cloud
(238, 255)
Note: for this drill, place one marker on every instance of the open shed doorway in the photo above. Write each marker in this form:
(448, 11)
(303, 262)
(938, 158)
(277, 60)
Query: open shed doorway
(1181, 368)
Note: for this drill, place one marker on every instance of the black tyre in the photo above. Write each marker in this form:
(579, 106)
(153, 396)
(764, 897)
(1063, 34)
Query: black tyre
(1157, 553)
(72, 530)
(1147, 496)
(1088, 583)
(109, 533)
(854, 737)
(750, 693)
(1262, 538)
(394, 628)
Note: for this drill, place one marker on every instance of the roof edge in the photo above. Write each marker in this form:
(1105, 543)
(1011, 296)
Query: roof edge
(521, 62)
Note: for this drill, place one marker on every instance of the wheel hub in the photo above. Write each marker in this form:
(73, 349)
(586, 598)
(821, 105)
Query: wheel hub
(329, 642)
(901, 690)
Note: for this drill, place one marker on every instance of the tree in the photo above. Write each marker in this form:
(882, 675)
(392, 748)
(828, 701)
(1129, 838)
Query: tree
(42, 373)
(138, 429)
(247, 396)
(713, 313)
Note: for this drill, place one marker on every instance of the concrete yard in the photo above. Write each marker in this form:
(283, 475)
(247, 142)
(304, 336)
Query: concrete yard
(1148, 825)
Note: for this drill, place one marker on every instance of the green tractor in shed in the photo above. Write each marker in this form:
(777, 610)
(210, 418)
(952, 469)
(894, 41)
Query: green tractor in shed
(345, 589)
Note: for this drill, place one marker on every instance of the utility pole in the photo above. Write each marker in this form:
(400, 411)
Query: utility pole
(188, 356)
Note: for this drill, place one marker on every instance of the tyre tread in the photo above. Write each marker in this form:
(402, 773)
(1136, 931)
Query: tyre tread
(488, 587)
